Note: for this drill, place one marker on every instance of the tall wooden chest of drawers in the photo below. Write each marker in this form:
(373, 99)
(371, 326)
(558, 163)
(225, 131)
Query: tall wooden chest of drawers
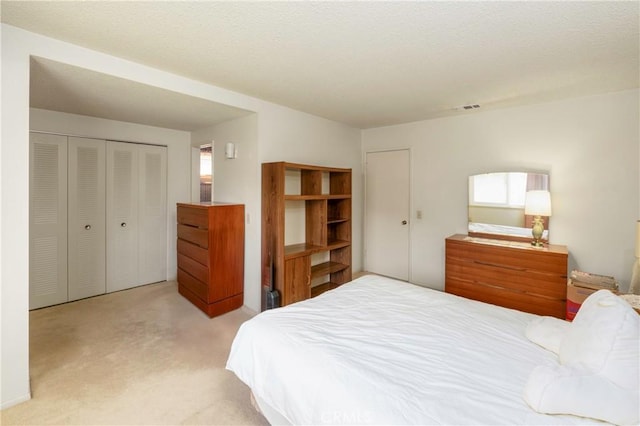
(510, 274)
(211, 256)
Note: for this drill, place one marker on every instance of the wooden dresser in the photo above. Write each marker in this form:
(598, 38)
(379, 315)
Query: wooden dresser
(510, 274)
(211, 256)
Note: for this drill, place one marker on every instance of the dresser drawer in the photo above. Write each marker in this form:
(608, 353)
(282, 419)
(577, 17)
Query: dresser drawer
(507, 298)
(193, 216)
(197, 236)
(195, 269)
(197, 253)
(199, 288)
(518, 259)
(512, 275)
(537, 282)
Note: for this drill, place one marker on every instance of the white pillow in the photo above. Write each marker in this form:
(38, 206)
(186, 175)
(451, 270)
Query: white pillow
(604, 338)
(547, 332)
(599, 372)
(565, 390)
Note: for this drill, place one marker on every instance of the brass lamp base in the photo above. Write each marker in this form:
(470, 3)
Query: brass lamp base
(537, 230)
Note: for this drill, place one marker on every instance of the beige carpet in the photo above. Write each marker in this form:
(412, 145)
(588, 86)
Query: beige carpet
(140, 356)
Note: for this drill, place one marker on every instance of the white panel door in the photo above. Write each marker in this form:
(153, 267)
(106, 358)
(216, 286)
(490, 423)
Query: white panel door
(122, 216)
(87, 246)
(152, 208)
(386, 233)
(47, 220)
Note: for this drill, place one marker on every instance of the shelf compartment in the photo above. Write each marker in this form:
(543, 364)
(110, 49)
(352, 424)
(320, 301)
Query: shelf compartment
(339, 225)
(339, 207)
(302, 249)
(297, 166)
(315, 222)
(317, 197)
(321, 288)
(341, 255)
(310, 182)
(327, 268)
(340, 231)
(336, 244)
(340, 182)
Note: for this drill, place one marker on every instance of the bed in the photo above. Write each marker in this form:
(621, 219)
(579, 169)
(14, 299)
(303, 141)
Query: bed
(381, 351)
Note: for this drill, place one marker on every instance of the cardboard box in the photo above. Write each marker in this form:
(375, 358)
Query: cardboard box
(576, 295)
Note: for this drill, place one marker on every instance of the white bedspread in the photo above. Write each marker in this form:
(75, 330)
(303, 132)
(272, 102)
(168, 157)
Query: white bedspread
(382, 351)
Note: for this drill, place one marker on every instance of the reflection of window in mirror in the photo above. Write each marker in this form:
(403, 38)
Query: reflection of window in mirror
(206, 173)
(498, 189)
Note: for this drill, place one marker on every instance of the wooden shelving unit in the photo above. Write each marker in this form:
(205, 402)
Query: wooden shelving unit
(326, 194)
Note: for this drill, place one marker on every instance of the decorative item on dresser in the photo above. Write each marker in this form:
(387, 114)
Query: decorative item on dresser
(323, 197)
(537, 204)
(211, 256)
(508, 273)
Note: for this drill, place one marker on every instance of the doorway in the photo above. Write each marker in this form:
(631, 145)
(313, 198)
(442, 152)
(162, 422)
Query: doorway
(206, 173)
(387, 207)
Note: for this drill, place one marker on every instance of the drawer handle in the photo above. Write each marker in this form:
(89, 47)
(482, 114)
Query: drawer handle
(513, 268)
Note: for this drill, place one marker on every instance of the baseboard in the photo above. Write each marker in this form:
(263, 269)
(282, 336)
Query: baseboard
(249, 311)
(15, 401)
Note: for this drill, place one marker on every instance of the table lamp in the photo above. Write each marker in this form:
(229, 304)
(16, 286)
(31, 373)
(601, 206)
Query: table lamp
(537, 204)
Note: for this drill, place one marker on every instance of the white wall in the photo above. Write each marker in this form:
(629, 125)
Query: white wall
(288, 135)
(283, 134)
(14, 224)
(238, 181)
(178, 156)
(590, 146)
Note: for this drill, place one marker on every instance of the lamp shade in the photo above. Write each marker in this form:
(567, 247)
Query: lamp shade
(537, 203)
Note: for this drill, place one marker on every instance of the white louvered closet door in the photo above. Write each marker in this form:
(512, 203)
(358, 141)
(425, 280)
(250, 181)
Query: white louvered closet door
(86, 219)
(122, 216)
(47, 220)
(152, 208)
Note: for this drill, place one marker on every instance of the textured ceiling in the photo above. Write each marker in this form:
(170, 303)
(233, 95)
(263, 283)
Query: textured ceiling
(366, 64)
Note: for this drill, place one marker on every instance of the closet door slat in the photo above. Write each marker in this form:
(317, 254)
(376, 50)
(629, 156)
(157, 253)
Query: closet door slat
(47, 220)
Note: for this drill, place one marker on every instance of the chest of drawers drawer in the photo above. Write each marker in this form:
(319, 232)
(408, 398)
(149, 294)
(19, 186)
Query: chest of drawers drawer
(512, 275)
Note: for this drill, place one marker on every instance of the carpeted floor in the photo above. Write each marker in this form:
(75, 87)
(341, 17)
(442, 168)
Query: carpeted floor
(139, 356)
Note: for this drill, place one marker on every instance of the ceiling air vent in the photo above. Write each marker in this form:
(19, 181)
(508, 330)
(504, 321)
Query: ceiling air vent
(466, 107)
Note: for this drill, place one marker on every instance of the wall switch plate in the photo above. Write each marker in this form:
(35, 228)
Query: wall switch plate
(418, 214)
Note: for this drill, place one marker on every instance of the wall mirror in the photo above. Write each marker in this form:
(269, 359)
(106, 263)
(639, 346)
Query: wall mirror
(496, 204)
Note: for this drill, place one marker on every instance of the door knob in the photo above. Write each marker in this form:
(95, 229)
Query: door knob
(87, 227)
(404, 222)
(123, 224)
